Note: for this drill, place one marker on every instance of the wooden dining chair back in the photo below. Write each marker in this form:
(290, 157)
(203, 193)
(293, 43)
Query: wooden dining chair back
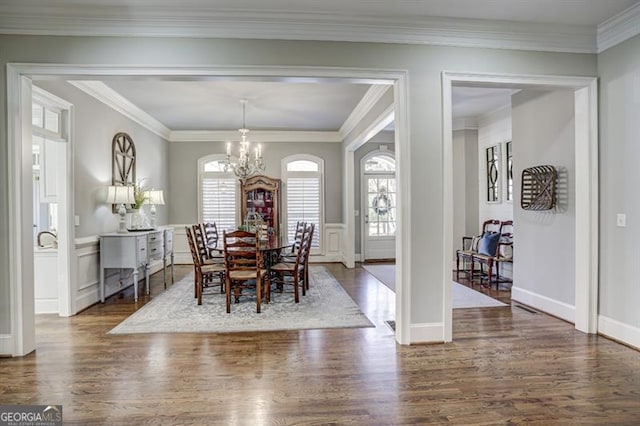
(211, 238)
(204, 273)
(293, 272)
(310, 230)
(290, 256)
(244, 267)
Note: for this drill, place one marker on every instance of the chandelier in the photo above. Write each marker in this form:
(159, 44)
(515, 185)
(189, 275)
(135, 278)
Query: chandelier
(246, 167)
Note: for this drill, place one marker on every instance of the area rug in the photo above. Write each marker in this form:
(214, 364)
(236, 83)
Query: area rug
(326, 305)
(461, 296)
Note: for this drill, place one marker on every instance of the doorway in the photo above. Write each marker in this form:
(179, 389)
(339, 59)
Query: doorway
(586, 189)
(379, 206)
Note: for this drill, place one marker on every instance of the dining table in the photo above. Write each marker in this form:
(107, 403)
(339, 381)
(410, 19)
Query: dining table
(270, 248)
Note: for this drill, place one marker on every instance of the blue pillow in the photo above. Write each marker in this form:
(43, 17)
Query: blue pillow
(489, 243)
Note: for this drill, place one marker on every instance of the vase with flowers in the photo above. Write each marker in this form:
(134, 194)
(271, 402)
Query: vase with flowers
(138, 220)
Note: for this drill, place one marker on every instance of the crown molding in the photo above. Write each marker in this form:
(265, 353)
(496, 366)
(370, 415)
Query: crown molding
(91, 20)
(368, 101)
(465, 123)
(254, 136)
(114, 100)
(619, 28)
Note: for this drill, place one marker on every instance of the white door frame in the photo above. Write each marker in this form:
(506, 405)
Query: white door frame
(22, 338)
(364, 205)
(586, 181)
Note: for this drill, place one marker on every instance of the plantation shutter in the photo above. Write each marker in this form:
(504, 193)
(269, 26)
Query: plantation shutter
(219, 202)
(303, 204)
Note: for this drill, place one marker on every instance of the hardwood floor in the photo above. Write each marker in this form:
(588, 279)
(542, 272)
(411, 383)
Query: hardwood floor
(505, 366)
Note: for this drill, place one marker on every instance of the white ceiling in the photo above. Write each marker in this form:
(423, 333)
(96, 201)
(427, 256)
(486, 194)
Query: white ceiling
(471, 102)
(215, 105)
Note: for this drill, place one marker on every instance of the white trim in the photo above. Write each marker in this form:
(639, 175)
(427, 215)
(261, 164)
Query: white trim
(119, 103)
(586, 152)
(426, 332)
(6, 344)
(368, 101)
(543, 303)
(465, 123)
(81, 20)
(256, 136)
(619, 331)
(619, 28)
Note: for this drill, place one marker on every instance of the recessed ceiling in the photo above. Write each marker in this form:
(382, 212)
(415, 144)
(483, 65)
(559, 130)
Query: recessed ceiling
(471, 102)
(215, 105)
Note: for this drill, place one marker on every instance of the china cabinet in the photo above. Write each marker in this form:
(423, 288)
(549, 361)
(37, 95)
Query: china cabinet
(261, 194)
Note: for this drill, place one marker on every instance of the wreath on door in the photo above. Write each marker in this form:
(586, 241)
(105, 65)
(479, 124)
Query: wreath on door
(380, 203)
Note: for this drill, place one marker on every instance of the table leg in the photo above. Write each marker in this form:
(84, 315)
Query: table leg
(146, 277)
(101, 284)
(135, 284)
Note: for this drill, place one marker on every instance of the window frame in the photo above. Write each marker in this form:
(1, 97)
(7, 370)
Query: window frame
(286, 174)
(202, 174)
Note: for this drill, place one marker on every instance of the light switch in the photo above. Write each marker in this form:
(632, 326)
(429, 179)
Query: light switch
(356, 213)
(77, 220)
(621, 220)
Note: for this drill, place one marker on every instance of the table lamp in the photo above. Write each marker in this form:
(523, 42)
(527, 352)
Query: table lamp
(121, 195)
(153, 197)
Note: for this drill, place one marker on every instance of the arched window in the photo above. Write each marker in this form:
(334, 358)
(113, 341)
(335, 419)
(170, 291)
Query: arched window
(303, 177)
(379, 192)
(380, 163)
(217, 193)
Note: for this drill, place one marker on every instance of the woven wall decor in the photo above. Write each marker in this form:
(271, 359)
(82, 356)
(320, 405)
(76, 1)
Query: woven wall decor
(538, 191)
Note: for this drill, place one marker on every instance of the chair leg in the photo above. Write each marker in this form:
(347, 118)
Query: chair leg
(457, 266)
(258, 294)
(228, 291)
(490, 272)
(296, 293)
(199, 285)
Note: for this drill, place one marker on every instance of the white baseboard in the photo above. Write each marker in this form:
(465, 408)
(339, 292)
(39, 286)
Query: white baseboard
(6, 344)
(46, 306)
(619, 331)
(426, 333)
(543, 303)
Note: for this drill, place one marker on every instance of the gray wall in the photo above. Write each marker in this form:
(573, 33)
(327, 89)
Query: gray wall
(383, 138)
(95, 126)
(619, 70)
(424, 65)
(465, 186)
(183, 186)
(544, 241)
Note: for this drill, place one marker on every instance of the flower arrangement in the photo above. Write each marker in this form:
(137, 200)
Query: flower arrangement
(139, 194)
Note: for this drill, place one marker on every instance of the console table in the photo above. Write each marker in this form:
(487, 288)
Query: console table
(135, 250)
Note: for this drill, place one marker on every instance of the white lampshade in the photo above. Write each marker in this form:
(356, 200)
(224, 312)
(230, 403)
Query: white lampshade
(120, 195)
(154, 197)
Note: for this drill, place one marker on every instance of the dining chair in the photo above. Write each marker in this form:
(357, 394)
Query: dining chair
(293, 273)
(210, 237)
(295, 247)
(244, 267)
(203, 272)
(310, 229)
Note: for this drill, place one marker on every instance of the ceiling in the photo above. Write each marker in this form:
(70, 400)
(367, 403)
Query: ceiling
(551, 25)
(215, 105)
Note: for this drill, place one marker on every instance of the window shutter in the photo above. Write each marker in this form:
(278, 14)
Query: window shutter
(219, 202)
(303, 204)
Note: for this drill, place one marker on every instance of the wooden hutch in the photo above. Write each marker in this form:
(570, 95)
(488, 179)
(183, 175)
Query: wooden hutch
(261, 194)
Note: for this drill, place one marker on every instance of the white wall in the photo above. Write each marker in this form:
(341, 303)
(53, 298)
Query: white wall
(424, 65)
(494, 128)
(544, 242)
(619, 70)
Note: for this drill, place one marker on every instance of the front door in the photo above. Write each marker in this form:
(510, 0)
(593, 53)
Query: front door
(379, 207)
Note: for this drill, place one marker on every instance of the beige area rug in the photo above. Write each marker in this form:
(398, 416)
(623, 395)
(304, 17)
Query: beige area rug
(326, 305)
(461, 296)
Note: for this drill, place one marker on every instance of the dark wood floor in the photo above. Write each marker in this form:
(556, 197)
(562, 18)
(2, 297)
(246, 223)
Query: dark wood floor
(505, 366)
